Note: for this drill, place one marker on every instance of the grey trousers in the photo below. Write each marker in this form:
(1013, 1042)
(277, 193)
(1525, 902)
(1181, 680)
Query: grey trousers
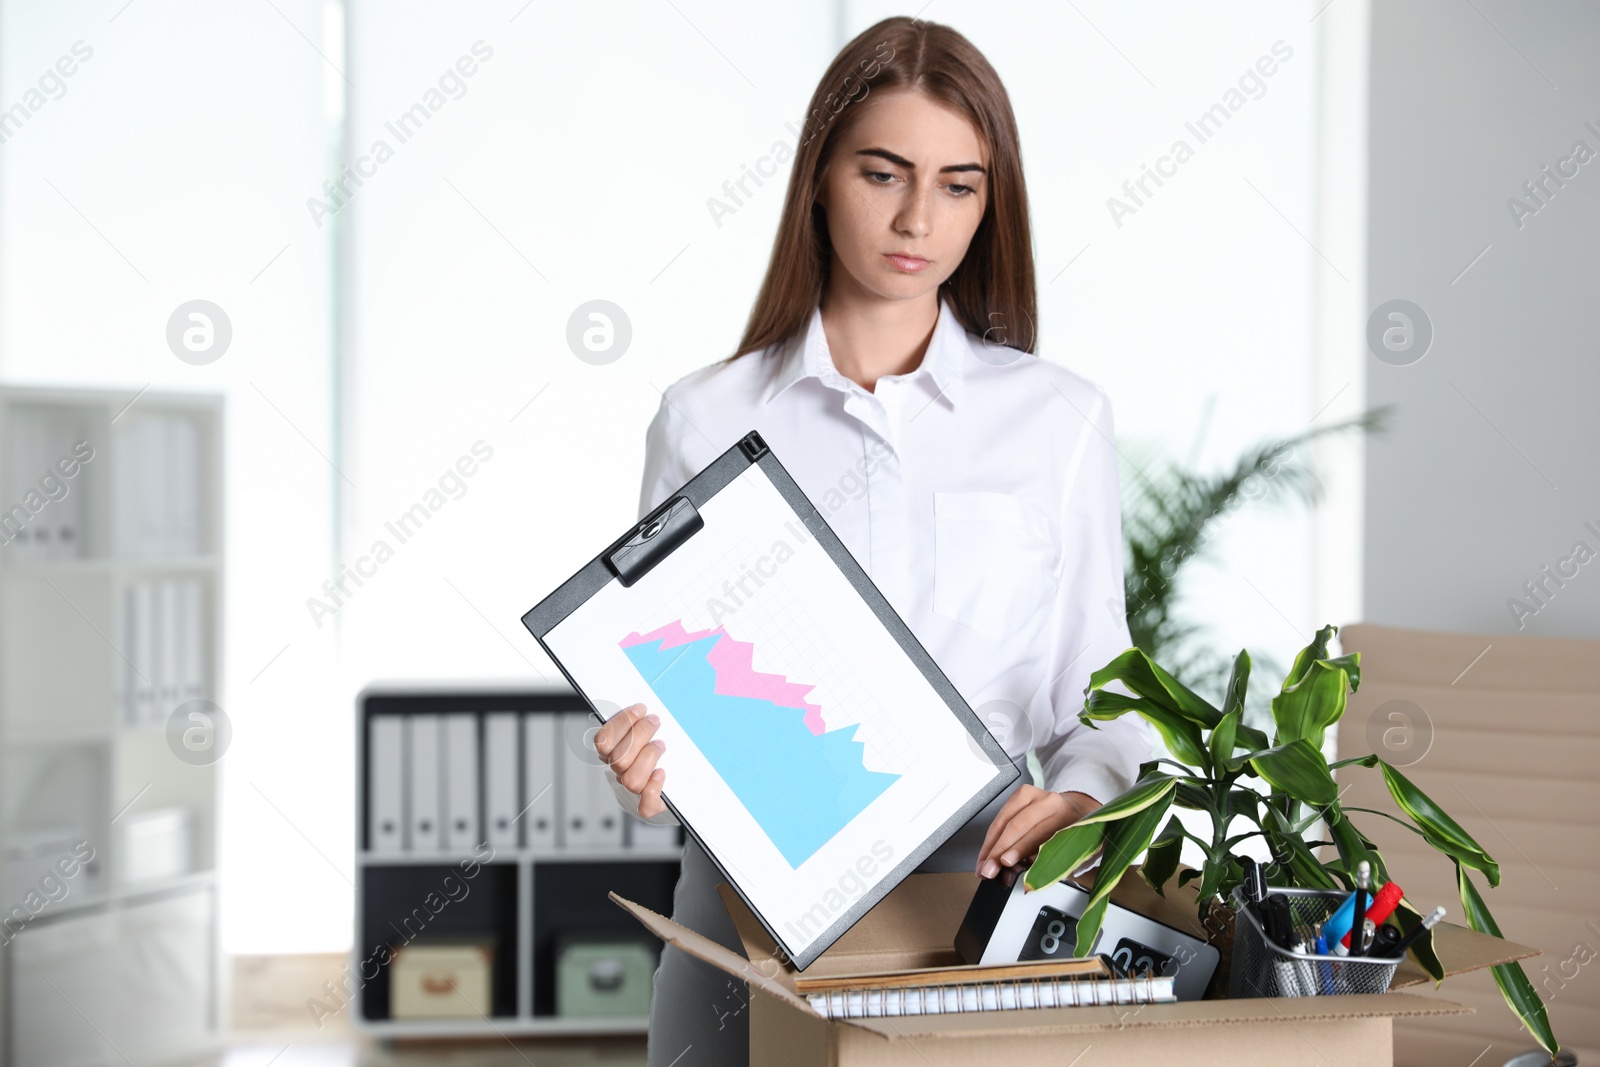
(699, 1016)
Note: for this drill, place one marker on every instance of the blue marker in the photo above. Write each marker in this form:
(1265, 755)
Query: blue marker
(1324, 968)
(1338, 924)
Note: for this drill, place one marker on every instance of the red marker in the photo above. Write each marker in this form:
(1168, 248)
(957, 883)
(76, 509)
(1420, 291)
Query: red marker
(1383, 905)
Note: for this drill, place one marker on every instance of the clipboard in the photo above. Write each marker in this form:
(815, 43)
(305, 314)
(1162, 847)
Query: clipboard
(814, 750)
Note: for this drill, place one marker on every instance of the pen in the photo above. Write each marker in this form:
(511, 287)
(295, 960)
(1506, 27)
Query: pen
(1308, 971)
(1277, 920)
(1429, 921)
(1369, 930)
(1363, 883)
(1255, 884)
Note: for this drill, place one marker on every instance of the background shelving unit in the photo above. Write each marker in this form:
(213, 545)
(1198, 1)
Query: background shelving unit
(524, 897)
(118, 963)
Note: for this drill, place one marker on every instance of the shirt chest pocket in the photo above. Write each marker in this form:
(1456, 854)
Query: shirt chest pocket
(994, 562)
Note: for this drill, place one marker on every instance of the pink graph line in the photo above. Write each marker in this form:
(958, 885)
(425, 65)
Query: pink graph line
(736, 673)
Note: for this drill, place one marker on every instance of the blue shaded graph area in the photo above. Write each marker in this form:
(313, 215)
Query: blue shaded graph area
(802, 788)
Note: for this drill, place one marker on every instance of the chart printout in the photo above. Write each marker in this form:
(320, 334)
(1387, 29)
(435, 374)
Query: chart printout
(805, 748)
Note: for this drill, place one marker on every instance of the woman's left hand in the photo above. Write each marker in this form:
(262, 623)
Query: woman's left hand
(1027, 820)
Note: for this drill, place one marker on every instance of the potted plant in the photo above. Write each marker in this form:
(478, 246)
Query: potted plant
(1253, 786)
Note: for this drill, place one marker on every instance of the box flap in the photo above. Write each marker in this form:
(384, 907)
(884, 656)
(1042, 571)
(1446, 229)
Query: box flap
(1461, 949)
(913, 926)
(1189, 1013)
(703, 948)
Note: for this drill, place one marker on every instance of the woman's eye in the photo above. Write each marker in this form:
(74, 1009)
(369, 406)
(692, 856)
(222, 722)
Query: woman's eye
(961, 190)
(874, 175)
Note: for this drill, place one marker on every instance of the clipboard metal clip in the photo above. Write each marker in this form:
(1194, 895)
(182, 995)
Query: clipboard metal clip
(654, 539)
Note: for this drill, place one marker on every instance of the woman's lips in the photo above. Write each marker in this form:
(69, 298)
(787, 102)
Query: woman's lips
(909, 264)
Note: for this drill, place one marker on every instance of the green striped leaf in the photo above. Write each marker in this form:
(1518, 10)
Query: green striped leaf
(1519, 994)
(1181, 735)
(1123, 843)
(1298, 769)
(1145, 677)
(1438, 828)
(1067, 849)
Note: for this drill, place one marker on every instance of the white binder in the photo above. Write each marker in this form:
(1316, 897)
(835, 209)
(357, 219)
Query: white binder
(541, 797)
(461, 830)
(422, 784)
(194, 639)
(386, 784)
(501, 797)
(181, 535)
(590, 815)
(66, 514)
(144, 637)
(169, 647)
(21, 432)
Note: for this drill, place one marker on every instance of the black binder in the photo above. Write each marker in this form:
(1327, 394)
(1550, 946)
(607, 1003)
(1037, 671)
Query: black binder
(674, 524)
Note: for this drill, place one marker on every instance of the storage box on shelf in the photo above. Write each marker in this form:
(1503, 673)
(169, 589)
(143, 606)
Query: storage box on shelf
(110, 604)
(486, 820)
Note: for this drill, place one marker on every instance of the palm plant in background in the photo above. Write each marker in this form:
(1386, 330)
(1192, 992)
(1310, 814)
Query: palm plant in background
(1170, 517)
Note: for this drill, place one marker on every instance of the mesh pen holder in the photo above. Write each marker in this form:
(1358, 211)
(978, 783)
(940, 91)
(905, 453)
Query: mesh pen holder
(1262, 969)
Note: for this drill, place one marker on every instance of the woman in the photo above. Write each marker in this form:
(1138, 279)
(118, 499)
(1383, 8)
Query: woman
(888, 363)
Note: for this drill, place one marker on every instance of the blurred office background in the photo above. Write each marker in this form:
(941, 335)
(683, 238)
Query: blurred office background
(376, 337)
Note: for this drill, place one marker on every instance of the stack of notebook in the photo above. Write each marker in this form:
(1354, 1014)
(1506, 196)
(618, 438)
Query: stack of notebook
(942, 990)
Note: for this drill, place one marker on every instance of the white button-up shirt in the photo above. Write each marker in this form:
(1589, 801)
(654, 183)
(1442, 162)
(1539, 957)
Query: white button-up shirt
(979, 492)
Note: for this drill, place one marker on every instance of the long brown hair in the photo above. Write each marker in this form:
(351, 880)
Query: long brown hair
(992, 290)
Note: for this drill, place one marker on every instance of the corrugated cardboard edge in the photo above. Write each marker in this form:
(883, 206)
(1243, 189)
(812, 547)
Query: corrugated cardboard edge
(703, 948)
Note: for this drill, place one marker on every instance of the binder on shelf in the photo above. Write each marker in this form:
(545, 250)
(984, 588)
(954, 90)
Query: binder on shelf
(609, 830)
(148, 476)
(62, 520)
(194, 639)
(142, 656)
(541, 787)
(578, 829)
(461, 829)
(422, 784)
(158, 499)
(592, 819)
(123, 678)
(386, 767)
(182, 526)
(169, 647)
(644, 836)
(17, 529)
(501, 797)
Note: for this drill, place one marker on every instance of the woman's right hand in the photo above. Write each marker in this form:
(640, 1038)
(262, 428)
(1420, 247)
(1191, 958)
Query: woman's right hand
(625, 743)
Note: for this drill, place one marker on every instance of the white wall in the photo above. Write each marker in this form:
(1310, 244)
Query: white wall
(1490, 474)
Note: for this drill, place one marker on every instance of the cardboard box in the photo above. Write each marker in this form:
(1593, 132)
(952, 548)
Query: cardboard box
(914, 926)
(442, 980)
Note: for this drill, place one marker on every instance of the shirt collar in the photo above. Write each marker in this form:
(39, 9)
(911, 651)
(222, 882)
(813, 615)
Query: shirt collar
(807, 356)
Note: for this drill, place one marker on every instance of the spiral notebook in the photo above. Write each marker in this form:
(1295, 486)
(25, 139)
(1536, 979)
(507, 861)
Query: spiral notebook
(943, 991)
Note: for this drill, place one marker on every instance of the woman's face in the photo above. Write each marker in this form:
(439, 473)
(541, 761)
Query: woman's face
(903, 192)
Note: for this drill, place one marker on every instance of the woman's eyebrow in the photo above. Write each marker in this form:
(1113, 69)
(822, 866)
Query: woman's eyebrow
(900, 161)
